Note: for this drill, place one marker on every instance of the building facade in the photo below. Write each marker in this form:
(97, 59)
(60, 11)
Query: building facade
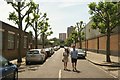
(95, 41)
(62, 36)
(9, 41)
(69, 30)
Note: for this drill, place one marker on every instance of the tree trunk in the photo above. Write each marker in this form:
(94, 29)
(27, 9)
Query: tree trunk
(80, 41)
(79, 35)
(108, 46)
(20, 34)
(43, 40)
(36, 35)
(36, 39)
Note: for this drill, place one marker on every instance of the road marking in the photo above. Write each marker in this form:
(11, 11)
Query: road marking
(59, 75)
(104, 70)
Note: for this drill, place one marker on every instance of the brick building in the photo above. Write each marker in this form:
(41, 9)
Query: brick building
(9, 41)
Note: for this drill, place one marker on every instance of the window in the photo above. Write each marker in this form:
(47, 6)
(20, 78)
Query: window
(1, 37)
(17, 43)
(0, 40)
(11, 40)
(17, 40)
(89, 30)
(25, 41)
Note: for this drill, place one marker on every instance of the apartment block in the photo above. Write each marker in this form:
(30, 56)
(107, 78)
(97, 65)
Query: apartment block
(62, 36)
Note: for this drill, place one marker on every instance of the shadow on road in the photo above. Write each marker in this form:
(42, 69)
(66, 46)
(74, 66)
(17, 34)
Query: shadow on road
(113, 69)
(81, 59)
(72, 71)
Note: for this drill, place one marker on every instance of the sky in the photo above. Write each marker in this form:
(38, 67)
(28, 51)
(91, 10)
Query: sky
(61, 13)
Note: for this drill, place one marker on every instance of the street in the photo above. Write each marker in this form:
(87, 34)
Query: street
(35, 33)
(53, 68)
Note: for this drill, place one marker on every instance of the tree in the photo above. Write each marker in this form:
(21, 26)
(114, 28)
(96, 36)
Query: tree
(18, 16)
(74, 37)
(105, 17)
(31, 37)
(36, 21)
(68, 41)
(45, 31)
(79, 28)
(55, 41)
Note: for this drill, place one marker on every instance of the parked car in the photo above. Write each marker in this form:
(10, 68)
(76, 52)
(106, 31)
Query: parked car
(81, 53)
(8, 71)
(61, 46)
(48, 52)
(56, 48)
(44, 52)
(52, 50)
(35, 55)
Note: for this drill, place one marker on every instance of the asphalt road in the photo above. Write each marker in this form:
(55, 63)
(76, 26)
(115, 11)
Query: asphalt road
(53, 68)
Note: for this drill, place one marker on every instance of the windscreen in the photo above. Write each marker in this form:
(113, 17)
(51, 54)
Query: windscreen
(33, 52)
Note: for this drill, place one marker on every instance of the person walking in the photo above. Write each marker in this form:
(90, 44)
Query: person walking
(74, 54)
(65, 58)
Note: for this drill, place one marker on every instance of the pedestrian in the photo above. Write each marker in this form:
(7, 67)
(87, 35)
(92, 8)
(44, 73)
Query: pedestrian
(65, 58)
(74, 54)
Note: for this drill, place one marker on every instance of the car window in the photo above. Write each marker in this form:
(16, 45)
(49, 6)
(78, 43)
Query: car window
(43, 51)
(80, 50)
(3, 62)
(33, 52)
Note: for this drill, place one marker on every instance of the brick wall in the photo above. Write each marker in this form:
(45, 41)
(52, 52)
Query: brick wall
(98, 44)
(92, 44)
(114, 42)
(12, 53)
(102, 43)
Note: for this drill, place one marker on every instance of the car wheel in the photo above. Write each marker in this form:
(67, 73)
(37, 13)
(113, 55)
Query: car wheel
(27, 62)
(16, 75)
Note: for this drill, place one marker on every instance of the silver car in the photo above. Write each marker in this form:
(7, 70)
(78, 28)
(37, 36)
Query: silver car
(35, 55)
(81, 53)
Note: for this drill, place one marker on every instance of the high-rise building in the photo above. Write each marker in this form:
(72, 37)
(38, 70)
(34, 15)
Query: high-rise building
(69, 30)
(62, 36)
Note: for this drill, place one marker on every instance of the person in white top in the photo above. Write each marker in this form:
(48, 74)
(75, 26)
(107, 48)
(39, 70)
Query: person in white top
(65, 58)
(74, 55)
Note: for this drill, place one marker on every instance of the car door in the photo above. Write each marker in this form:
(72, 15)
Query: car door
(7, 70)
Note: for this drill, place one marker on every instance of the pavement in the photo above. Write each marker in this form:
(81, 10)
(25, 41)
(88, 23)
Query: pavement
(100, 59)
(112, 67)
(18, 64)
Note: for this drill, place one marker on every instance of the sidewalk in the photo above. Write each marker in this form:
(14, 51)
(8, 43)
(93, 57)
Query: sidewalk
(112, 68)
(21, 66)
(100, 59)
(18, 64)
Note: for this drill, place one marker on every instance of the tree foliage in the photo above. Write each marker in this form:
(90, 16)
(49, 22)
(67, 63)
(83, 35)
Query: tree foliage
(38, 22)
(73, 38)
(106, 17)
(22, 8)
